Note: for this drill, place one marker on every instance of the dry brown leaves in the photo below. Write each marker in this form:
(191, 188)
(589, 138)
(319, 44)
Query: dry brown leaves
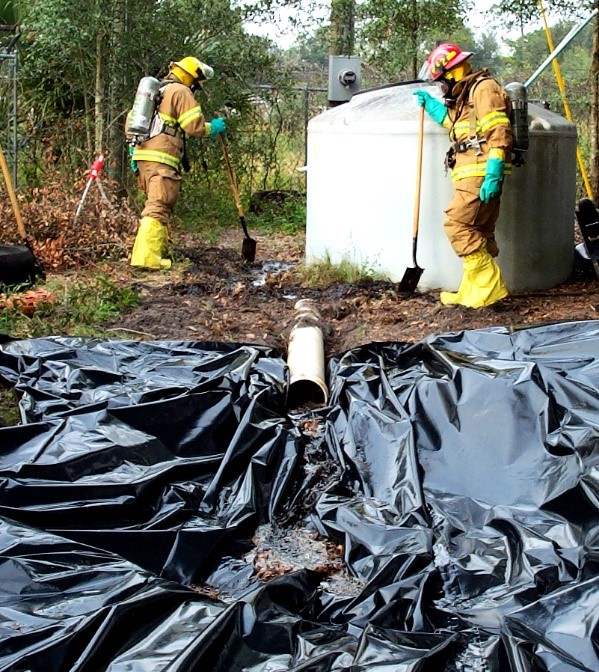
(105, 229)
(279, 552)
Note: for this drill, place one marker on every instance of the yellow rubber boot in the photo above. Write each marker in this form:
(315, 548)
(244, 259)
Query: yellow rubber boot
(151, 245)
(481, 285)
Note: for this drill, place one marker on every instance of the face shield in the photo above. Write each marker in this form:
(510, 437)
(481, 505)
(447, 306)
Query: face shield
(207, 71)
(204, 72)
(425, 73)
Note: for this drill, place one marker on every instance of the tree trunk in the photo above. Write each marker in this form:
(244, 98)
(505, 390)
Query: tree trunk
(595, 114)
(116, 92)
(342, 27)
(88, 122)
(99, 95)
(342, 32)
(414, 39)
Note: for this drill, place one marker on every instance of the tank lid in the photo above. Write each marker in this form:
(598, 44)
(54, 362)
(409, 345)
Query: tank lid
(386, 104)
(396, 104)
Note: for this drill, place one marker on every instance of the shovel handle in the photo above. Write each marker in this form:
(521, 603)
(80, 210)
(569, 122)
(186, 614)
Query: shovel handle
(231, 174)
(418, 174)
(13, 196)
(234, 188)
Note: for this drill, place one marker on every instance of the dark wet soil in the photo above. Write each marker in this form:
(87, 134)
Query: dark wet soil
(211, 294)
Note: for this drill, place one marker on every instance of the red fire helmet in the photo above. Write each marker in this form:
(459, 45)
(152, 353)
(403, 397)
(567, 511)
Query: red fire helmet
(445, 57)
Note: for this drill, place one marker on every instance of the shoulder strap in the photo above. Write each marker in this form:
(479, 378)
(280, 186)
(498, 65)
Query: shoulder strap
(163, 86)
(475, 84)
(471, 103)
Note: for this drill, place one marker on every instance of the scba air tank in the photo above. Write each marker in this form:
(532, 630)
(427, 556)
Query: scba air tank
(144, 104)
(519, 117)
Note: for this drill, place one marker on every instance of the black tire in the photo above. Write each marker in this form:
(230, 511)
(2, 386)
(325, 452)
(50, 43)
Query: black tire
(18, 265)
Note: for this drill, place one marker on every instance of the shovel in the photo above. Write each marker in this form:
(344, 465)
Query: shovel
(411, 277)
(18, 263)
(248, 247)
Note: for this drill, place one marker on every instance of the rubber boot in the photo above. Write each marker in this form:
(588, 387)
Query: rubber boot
(481, 285)
(151, 245)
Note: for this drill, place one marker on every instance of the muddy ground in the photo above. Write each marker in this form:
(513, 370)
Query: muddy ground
(211, 294)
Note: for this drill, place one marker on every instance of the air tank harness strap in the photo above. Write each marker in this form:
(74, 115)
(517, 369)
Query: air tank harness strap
(169, 126)
(472, 142)
(171, 130)
(184, 158)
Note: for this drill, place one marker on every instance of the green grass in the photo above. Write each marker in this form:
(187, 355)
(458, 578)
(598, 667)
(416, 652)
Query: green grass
(287, 217)
(9, 407)
(77, 310)
(325, 273)
(208, 211)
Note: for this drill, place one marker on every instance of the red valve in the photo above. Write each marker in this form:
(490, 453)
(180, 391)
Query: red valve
(97, 166)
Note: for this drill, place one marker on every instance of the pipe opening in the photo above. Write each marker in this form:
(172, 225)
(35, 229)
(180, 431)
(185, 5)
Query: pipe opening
(306, 391)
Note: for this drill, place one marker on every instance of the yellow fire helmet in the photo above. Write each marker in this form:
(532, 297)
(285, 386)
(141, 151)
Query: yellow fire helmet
(191, 71)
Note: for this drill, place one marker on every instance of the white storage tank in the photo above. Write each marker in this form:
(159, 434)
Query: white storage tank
(362, 159)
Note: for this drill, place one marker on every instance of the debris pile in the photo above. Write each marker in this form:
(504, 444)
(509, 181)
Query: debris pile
(105, 229)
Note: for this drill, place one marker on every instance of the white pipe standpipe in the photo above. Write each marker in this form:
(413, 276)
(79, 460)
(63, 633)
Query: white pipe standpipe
(305, 357)
(560, 47)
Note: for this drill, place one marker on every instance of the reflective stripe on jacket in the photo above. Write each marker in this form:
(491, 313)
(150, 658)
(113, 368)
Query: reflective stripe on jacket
(482, 108)
(178, 109)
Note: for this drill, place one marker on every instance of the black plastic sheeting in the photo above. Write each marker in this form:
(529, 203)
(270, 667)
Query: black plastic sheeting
(460, 476)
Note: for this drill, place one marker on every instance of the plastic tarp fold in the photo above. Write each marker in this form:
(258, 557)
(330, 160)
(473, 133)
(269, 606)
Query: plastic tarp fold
(457, 476)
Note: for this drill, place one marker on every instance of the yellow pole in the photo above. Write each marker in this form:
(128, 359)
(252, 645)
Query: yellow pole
(562, 89)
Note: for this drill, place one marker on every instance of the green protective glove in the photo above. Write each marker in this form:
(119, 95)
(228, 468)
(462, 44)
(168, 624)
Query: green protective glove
(491, 186)
(132, 163)
(217, 126)
(435, 108)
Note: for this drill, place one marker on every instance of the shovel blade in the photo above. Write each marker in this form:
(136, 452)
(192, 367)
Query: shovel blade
(410, 279)
(248, 249)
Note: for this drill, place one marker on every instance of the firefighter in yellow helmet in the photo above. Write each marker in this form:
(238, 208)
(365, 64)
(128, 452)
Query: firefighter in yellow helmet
(158, 161)
(476, 112)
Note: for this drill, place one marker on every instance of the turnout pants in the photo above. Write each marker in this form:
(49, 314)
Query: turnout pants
(161, 184)
(469, 223)
(470, 227)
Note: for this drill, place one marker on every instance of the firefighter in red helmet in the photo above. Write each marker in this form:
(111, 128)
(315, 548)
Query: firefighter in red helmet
(476, 112)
